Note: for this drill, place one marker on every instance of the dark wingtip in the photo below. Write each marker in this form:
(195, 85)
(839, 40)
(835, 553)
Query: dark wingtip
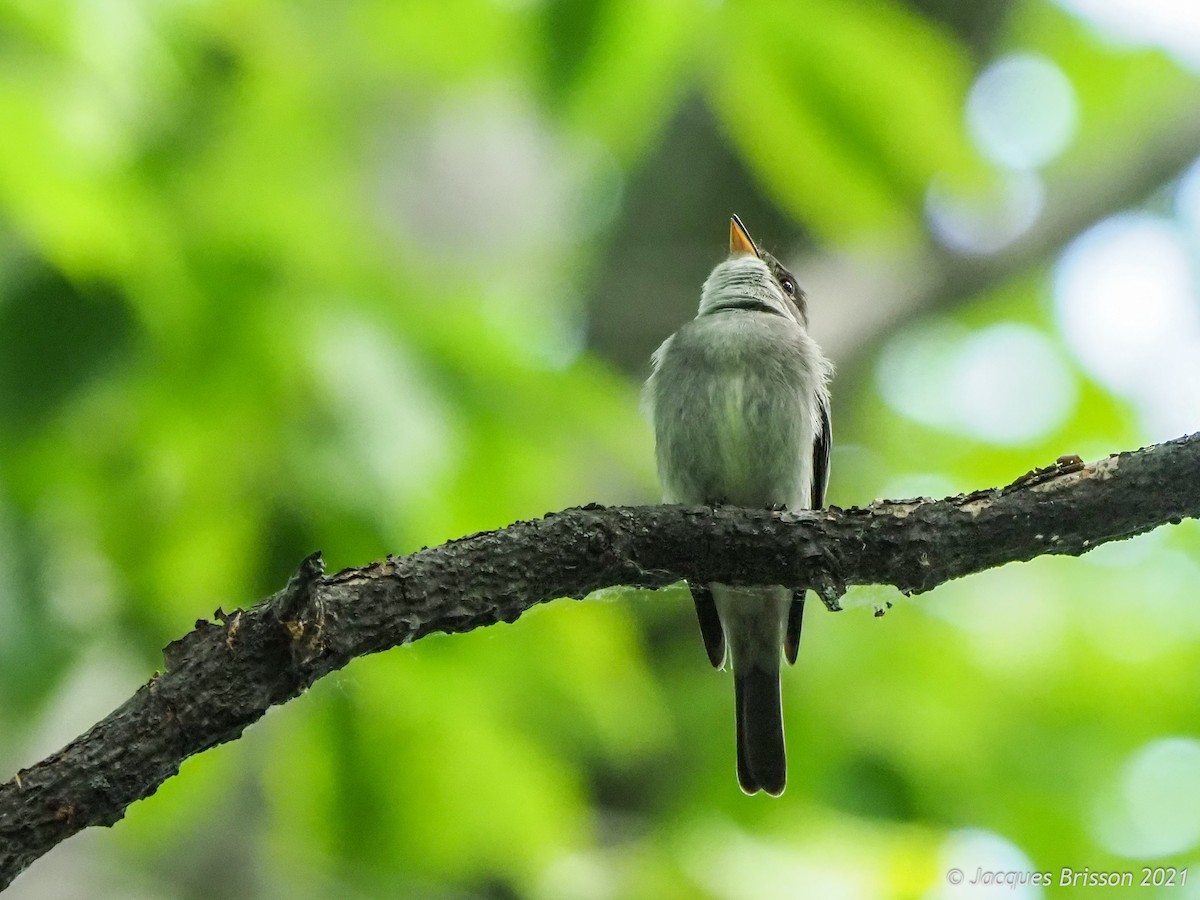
(791, 640)
(710, 625)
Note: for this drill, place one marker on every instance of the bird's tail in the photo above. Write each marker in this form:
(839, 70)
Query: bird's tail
(754, 621)
(761, 756)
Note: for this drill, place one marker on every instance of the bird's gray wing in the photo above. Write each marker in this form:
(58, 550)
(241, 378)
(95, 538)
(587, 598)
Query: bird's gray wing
(820, 481)
(820, 457)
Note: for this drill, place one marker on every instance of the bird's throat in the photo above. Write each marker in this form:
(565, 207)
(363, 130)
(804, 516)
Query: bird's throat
(745, 304)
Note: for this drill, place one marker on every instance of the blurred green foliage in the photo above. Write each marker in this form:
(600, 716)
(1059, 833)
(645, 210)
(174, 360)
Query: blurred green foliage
(279, 276)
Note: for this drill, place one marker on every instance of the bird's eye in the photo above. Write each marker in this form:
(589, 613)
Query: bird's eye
(788, 285)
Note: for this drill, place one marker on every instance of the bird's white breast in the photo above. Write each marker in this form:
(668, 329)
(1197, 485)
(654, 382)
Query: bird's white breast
(734, 399)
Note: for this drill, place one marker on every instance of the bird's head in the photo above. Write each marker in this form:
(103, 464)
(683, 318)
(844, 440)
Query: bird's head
(752, 279)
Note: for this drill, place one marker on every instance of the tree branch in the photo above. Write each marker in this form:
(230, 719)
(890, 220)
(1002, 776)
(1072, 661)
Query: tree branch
(224, 675)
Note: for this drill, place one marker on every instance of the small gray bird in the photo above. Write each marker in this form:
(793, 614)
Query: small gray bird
(739, 399)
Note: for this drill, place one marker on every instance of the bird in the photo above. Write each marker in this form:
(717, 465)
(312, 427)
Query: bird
(739, 401)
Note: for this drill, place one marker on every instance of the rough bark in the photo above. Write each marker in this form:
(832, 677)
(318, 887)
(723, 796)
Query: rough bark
(225, 674)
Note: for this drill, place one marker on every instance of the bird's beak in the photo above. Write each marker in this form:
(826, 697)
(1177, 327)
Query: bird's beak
(739, 238)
